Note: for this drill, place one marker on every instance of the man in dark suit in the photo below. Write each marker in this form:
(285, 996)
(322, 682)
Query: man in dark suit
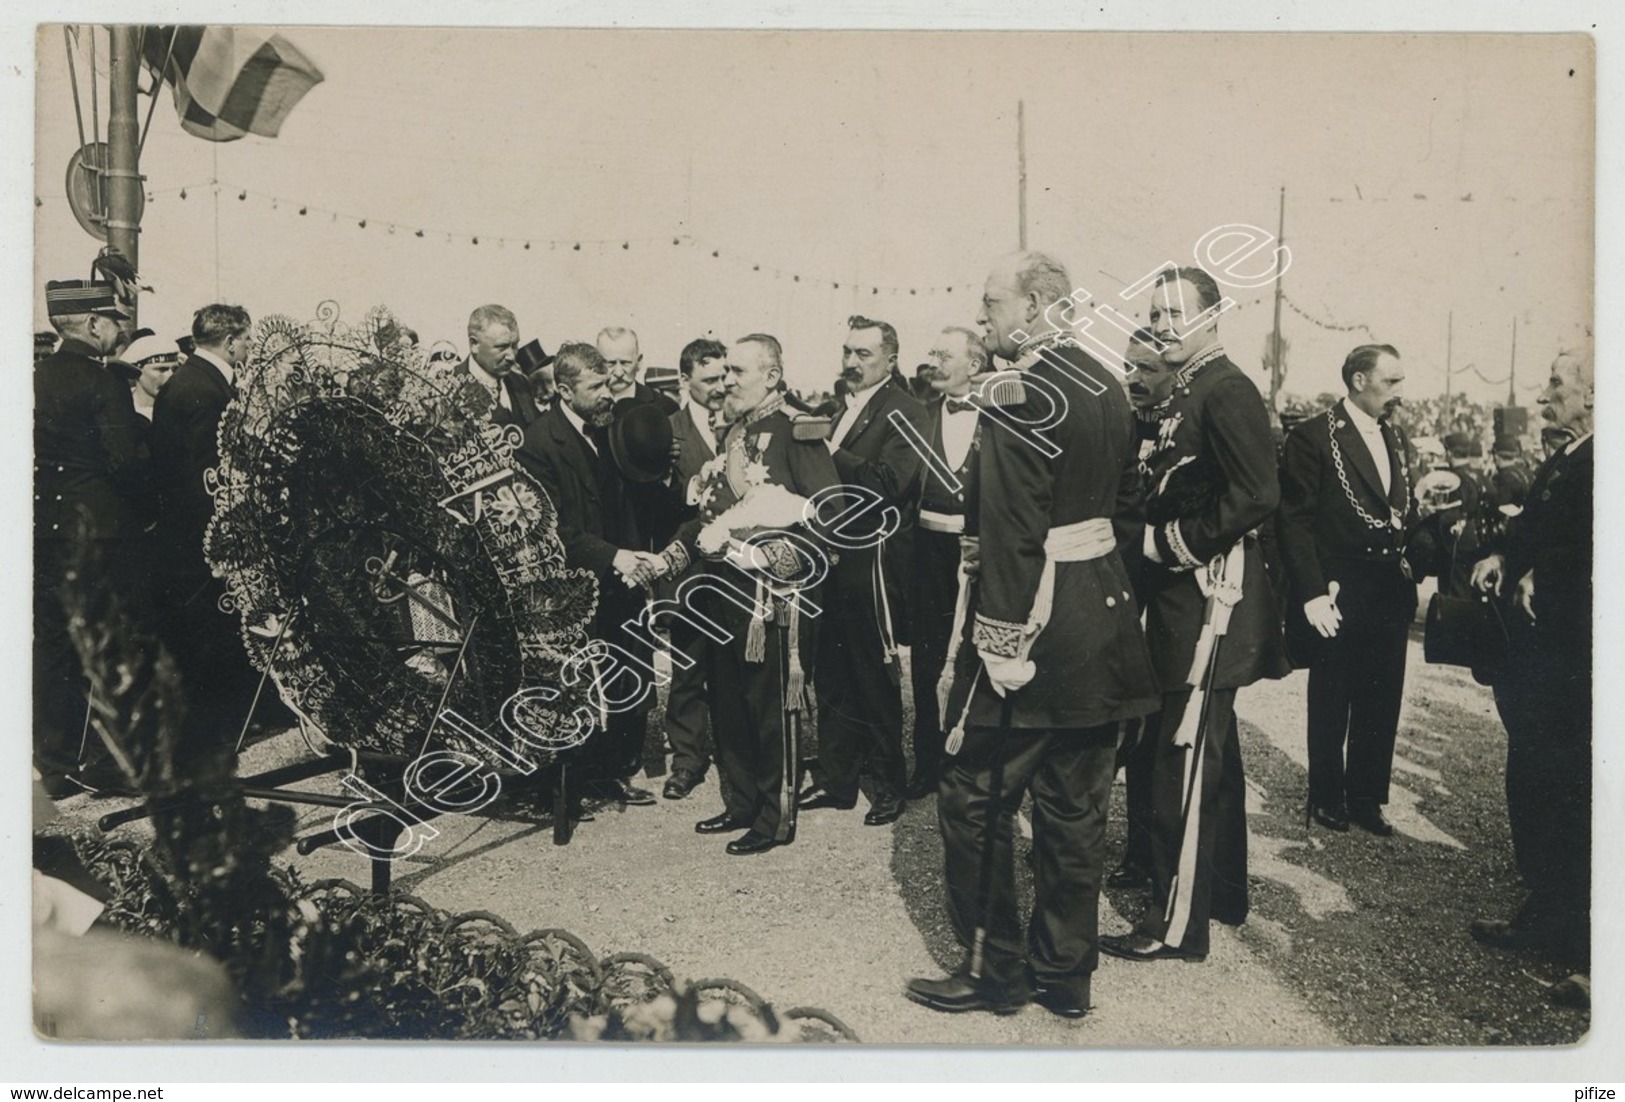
(218, 680)
(86, 469)
(1054, 661)
(493, 362)
(1347, 518)
(624, 358)
(1545, 695)
(697, 428)
(951, 434)
(1212, 483)
(567, 451)
(860, 702)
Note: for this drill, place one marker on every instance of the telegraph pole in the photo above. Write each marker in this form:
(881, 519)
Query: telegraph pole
(1021, 168)
(1277, 368)
(124, 142)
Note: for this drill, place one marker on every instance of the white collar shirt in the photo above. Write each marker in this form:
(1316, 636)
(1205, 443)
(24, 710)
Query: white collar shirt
(578, 424)
(958, 431)
(855, 404)
(224, 368)
(490, 382)
(1370, 430)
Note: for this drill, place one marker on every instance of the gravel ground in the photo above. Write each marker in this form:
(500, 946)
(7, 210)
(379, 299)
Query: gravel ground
(1353, 939)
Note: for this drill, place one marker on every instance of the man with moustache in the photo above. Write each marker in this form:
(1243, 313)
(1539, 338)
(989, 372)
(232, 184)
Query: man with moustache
(860, 702)
(950, 435)
(1150, 384)
(1545, 695)
(493, 362)
(1212, 483)
(1347, 517)
(758, 677)
(567, 450)
(624, 358)
(86, 469)
(1054, 662)
(698, 429)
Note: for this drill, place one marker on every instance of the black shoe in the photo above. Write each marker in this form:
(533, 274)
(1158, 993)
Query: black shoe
(1065, 1002)
(818, 797)
(1368, 815)
(1129, 875)
(680, 784)
(924, 784)
(1141, 947)
(959, 993)
(887, 808)
(622, 792)
(720, 824)
(754, 841)
(1331, 816)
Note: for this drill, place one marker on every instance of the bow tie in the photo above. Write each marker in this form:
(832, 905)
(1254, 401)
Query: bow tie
(956, 405)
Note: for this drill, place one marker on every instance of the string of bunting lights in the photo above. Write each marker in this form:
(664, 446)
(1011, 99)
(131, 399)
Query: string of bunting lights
(1360, 327)
(600, 245)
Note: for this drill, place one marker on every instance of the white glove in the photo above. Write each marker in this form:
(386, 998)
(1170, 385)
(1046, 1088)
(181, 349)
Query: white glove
(1322, 613)
(1007, 675)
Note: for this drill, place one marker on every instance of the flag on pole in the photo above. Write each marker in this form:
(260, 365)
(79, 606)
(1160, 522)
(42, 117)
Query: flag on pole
(230, 81)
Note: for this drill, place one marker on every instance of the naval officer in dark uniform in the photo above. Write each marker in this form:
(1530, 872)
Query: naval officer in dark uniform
(86, 469)
(1212, 483)
(1053, 660)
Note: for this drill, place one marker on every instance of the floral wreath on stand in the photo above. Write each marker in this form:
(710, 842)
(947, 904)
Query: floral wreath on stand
(387, 559)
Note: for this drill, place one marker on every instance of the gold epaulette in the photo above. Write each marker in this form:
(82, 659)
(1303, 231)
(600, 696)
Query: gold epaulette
(811, 428)
(998, 389)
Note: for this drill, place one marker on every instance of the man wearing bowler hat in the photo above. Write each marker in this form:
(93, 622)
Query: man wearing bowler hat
(86, 471)
(587, 462)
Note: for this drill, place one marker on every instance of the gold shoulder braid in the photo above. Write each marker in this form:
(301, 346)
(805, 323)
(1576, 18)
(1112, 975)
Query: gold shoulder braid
(1404, 473)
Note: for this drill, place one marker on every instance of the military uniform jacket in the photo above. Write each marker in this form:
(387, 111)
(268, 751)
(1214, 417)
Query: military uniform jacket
(1211, 482)
(1092, 666)
(762, 448)
(85, 453)
(873, 453)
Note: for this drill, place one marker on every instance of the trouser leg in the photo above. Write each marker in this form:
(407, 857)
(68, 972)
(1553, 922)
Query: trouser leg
(963, 814)
(936, 591)
(686, 713)
(1139, 756)
(1188, 830)
(1330, 683)
(1374, 704)
(860, 707)
(731, 729)
(777, 734)
(1071, 790)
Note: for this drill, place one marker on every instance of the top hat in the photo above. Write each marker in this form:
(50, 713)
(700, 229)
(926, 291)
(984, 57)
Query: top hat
(64, 297)
(640, 441)
(532, 358)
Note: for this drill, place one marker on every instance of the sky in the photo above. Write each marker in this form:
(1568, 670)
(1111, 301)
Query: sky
(1431, 183)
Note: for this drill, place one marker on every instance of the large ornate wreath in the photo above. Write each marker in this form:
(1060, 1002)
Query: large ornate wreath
(386, 557)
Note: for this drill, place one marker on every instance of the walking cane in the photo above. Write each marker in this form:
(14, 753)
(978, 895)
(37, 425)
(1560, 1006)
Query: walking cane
(995, 812)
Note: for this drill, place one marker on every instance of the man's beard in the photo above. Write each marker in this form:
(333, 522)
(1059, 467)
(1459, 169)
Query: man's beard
(600, 418)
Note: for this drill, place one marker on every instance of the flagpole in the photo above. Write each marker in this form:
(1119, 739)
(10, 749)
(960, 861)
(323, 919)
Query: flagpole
(124, 153)
(1021, 171)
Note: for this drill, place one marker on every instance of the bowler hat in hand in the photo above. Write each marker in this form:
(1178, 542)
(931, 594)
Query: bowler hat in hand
(640, 441)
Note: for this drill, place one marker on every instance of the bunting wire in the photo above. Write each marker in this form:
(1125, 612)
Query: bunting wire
(1312, 320)
(600, 245)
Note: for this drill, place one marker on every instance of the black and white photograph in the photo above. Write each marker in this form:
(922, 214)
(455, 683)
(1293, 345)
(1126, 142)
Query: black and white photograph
(831, 536)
